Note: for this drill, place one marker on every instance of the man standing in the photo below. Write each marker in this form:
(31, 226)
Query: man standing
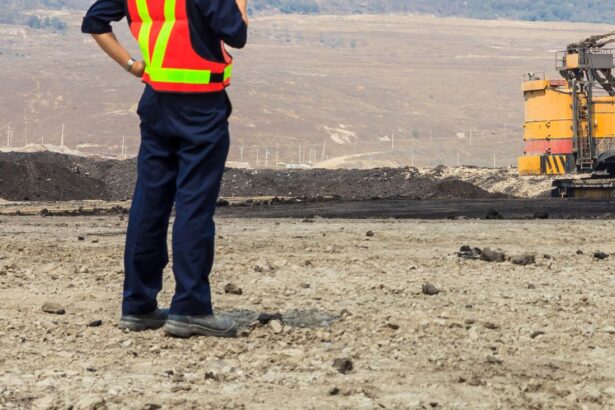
(184, 115)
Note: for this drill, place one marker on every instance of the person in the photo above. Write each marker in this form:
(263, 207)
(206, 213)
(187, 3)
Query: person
(184, 112)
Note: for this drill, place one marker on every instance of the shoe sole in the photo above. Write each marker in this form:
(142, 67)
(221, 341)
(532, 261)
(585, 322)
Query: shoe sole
(186, 330)
(139, 325)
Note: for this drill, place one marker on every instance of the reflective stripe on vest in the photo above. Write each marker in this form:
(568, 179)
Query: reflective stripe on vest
(188, 75)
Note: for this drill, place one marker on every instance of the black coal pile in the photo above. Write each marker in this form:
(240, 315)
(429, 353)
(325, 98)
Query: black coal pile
(49, 176)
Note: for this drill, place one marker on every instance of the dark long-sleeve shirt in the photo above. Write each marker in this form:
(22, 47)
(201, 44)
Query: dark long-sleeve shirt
(210, 21)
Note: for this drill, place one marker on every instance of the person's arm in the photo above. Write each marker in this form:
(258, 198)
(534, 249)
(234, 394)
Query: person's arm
(97, 22)
(243, 9)
(227, 19)
(114, 49)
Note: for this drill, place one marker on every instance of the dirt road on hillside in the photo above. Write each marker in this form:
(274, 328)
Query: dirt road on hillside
(497, 336)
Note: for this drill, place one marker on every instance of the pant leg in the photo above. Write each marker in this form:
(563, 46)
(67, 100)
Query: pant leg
(146, 253)
(204, 146)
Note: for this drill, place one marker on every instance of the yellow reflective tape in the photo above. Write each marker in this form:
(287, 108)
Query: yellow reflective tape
(146, 29)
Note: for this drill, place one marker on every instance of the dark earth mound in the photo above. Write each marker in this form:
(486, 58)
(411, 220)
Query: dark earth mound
(56, 177)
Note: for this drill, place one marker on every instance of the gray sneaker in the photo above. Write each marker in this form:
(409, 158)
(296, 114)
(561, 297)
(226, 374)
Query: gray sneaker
(212, 325)
(139, 323)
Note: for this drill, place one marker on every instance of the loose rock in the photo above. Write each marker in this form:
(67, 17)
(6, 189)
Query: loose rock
(232, 289)
(276, 326)
(524, 260)
(467, 252)
(95, 323)
(489, 255)
(601, 255)
(265, 318)
(53, 308)
(430, 290)
(370, 234)
(537, 333)
(343, 365)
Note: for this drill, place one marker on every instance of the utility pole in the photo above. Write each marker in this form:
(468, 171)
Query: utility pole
(355, 144)
(62, 137)
(257, 157)
(300, 156)
(277, 154)
(458, 159)
(393, 142)
(8, 136)
(324, 148)
(26, 133)
(494, 162)
(266, 157)
(471, 134)
(124, 147)
(241, 151)
(412, 159)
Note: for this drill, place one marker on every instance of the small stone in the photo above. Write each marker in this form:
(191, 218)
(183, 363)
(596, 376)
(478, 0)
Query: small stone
(306, 285)
(610, 330)
(343, 365)
(276, 326)
(212, 376)
(429, 289)
(601, 255)
(80, 238)
(258, 269)
(491, 326)
(126, 343)
(523, 260)
(531, 286)
(232, 289)
(95, 323)
(537, 333)
(467, 252)
(265, 318)
(489, 255)
(493, 360)
(580, 252)
(152, 406)
(53, 308)
(334, 391)
(370, 234)
(393, 326)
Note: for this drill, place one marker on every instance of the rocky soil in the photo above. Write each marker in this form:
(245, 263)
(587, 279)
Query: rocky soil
(48, 176)
(362, 315)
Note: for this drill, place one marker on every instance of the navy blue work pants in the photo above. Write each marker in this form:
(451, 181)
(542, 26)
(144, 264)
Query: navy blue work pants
(184, 145)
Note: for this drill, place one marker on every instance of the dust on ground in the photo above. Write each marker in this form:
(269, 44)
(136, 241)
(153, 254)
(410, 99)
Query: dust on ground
(498, 335)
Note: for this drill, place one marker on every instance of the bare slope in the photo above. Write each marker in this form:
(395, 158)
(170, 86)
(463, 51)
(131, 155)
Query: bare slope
(359, 91)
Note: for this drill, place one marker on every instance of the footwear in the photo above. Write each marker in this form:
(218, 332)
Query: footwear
(212, 325)
(139, 323)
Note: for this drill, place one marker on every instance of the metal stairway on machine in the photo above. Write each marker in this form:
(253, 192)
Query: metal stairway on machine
(585, 160)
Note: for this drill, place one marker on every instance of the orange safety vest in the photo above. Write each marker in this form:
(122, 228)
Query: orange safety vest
(171, 64)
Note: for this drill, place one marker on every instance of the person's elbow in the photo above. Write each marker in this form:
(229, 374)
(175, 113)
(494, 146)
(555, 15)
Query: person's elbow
(238, 38)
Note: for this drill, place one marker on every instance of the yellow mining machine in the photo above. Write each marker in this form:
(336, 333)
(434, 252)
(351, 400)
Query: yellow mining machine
(570, 122)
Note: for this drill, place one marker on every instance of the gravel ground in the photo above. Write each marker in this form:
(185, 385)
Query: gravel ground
(357, 329)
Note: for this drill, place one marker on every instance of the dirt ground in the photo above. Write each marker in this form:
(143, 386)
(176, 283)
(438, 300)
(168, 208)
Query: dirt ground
(497, 336)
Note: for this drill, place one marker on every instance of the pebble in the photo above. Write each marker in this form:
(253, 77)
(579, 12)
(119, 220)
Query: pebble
(393, 326)
(276, 326)
(524, 260)
(601, 255)
(53, 308)
(334, 391)
(489, 255)
(95, 323)
(265, 318)
(370, 234)
(81, 238)
(429, 289)
(537, 333)
(610, 330)
(232, 289)
(343, 365)
(467, 252)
